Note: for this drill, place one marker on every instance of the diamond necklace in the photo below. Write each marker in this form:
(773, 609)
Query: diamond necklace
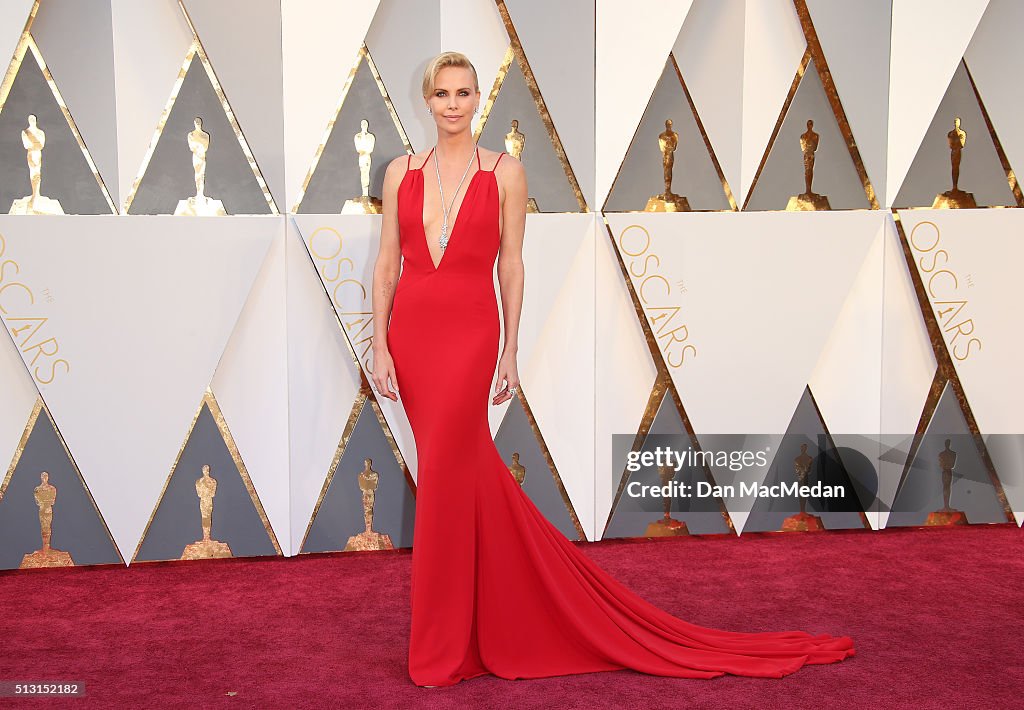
(443, 241)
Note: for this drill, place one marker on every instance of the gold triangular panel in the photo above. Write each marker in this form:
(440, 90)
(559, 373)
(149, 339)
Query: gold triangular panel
(208, 507)
(48, 517)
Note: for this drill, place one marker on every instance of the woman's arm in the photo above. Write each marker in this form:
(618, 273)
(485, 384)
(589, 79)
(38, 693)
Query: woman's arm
(385, 279)
(512, 178)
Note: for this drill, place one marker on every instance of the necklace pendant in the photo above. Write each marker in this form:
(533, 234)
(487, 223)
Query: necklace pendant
(443, 241)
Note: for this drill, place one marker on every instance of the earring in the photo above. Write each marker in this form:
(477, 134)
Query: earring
(428, 110)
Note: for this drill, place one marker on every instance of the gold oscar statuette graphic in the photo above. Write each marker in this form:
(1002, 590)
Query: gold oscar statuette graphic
(668, 201)
(808, 201)
(364, 204)
(46, 496)
(207, 548)
(802, 521)
(517, 469)
(515, 141)
(200, 205)
(666, 526)
(369, 539)
(955, 198)
(947, 516)
(33, 138)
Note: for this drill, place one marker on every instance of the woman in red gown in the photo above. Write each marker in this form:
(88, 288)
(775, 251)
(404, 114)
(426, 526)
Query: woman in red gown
(496, 588)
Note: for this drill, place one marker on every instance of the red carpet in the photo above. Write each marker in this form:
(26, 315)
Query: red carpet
(937, 617)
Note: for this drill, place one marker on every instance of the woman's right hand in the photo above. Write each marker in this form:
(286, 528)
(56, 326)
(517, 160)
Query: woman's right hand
(383, 371)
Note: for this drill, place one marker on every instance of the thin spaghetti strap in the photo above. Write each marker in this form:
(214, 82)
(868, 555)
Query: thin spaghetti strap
(478, 167)
(425, 160)
(408, 163)
(497, 161)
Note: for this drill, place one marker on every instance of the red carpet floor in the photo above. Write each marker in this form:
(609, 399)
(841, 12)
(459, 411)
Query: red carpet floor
(937, 617)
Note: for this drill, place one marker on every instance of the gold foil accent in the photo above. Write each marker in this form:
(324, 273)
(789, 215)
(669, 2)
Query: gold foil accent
(515, 51)
(37, 409)
(25, 45)
(1011, 178)
(825, 74)
(945, 373)
(517, 469)
(363, 53)
(808, 200)
(365, 203)
(369, 539)
(196, 48)
(210, 401)
(539, 436)
(207, 547)
(33, 138)
(46, 498)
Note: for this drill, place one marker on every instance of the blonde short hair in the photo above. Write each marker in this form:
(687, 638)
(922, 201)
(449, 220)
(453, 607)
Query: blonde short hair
(442, 60)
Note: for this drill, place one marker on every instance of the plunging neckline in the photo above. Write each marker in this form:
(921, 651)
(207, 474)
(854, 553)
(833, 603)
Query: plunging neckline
(458, 216)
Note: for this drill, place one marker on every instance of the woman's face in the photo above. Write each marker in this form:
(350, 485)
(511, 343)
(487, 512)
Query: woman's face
(453, 100)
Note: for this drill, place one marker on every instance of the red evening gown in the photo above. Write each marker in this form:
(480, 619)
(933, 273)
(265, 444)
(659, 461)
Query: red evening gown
(496, 588)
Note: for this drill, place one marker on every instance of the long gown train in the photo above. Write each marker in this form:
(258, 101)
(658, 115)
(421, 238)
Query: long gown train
(496, 588)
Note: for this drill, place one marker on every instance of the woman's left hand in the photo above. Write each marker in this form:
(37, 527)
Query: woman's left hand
(508, 372)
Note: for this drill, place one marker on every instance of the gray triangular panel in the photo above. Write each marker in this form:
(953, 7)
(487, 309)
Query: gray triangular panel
(835, 174)
(632, 515)
(76, 525)
(170, 177)
(340, 514)
(335, 178)
(641, 175)
(546, 177)
(971, 490)
(981, 172)
(516, 435)
(806, 427)
(66, 174)
(177, 521)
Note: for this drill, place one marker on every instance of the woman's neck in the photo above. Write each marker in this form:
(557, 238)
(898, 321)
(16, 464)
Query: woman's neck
(455, 148)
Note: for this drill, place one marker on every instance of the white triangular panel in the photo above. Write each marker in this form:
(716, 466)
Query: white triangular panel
(402, 39)
(995, 71)
(773, 45)
(343, 249)
(20, 396)
(627, 72)
(624, 371)
(323, 383)
(141, 310)
(13, 17)
(561, 360)
(76, 41)
(908, 367)
(251, 386)
(151, 40)
(758, 293)
(248, 66)
(846, 381)
(929, 38)
(982, 251)
(547, 31)
(319, 44)
(477, 29)
(854, 38)
(709, 51)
